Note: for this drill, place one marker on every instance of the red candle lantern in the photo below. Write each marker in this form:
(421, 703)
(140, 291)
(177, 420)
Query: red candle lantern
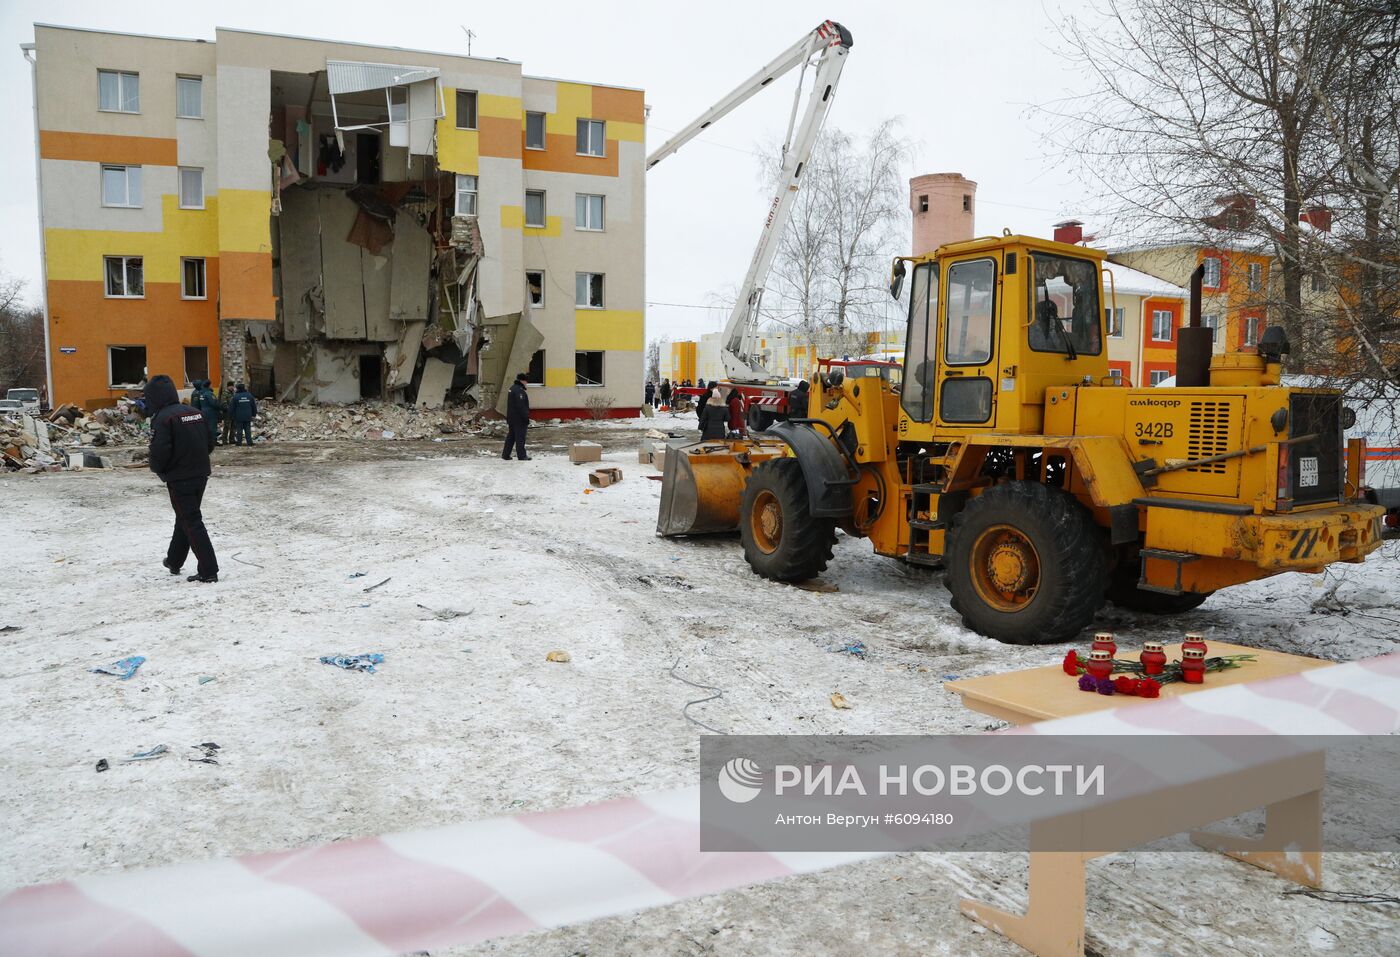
(1100, 663)
(1194, 640)
(1103, 641)
(1193, 665)
(1154, 659)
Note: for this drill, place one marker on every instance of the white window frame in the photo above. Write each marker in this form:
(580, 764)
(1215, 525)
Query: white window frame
(1253, 329)
(603, 377)
(203, 277)
(583, 202)
(544, 209)
(587, 284)
(1157, 375)
(111, 384)
(127, 175)
(544, 134)
(1116, 375)
(470, 191)
(540, 273)
(476, 109)
(1211, 321)
(1159, 314)
(181, 187)
(124, 261)
(122, 77)
(1319, 281)
(1212, 264)
(1112, 313)
(1254, 273)
(602, 144)
(181, 79)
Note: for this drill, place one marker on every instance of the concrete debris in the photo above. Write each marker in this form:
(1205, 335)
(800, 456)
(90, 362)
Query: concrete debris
(289, 422)
(65, 437)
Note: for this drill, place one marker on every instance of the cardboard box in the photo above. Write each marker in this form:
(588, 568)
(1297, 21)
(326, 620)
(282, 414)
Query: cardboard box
(658, 458)
(581, 452)
(644, 456)
(602, 478)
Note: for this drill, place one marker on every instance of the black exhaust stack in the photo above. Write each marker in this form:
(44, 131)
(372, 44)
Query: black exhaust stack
(1193, 342)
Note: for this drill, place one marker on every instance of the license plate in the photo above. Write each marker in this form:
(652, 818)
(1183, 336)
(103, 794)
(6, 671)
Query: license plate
(1307, 472)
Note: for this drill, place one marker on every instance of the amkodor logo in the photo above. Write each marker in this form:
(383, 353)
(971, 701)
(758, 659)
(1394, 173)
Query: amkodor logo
(740, 780)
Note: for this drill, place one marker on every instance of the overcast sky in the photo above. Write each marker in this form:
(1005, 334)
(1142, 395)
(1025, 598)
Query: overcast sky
(960, 74)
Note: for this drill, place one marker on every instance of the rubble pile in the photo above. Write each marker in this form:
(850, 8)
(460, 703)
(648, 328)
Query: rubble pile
(289, 422)
(62, 437)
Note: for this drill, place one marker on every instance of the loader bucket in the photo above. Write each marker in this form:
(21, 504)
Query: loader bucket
(702, 483)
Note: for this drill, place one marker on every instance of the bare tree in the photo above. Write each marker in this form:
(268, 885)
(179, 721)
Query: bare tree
(652, 372)
(1230, 123)
(21, 338)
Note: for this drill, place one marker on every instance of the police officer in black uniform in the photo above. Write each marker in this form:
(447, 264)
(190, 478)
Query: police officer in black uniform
(517, 419)
(180, 447)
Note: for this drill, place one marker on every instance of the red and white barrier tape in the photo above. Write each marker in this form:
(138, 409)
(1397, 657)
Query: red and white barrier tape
(471, 882)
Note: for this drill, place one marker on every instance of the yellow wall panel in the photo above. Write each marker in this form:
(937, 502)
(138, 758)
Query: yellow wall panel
(614, 329)
(571, 101)
(458, 151)
(513, 217)
(245, 220)
(626, 132)
(489, 104)
(560, 378)
(76, 254)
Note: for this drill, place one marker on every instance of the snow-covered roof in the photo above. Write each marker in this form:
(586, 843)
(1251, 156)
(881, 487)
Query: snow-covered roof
(1133, 282)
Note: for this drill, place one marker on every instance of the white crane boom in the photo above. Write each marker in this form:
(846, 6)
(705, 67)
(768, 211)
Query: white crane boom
(829, 43)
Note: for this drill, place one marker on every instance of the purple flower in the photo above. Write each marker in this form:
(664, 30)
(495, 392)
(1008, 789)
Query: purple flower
(1086, 683)
(1105, 686)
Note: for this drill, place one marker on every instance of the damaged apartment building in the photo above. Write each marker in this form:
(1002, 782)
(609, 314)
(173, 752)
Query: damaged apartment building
(335, 222)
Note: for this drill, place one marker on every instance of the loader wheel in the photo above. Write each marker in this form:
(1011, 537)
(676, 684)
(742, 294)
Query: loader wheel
(1124, 592)
(1025, 564)
(781, 539)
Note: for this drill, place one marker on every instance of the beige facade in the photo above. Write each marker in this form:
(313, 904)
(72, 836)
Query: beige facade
(276, 239)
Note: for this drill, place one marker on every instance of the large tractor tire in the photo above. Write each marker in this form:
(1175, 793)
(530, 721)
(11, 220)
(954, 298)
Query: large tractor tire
(1124, 592)
(781, 539)
(1026, 564)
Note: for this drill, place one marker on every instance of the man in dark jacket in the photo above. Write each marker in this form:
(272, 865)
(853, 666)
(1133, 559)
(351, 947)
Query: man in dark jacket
(517, 419)
(650, 393)
(226, 412)
(179, 455)
(666, 393)
(207, 402)
(243, 407)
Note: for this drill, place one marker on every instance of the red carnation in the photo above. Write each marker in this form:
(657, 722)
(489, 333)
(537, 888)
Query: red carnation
(1071, 664)
(1125, 685)
(1147, 688)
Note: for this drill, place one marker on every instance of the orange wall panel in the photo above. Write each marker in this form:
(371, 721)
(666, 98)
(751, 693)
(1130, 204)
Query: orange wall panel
(625, 106)
(246, 289)
(83, 318)
(499, 136)
(560, 155)
(107, 148)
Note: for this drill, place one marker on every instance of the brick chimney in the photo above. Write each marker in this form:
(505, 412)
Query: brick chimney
(1070, 231)
(945, 209)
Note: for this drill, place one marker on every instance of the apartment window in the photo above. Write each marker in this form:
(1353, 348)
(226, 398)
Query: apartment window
(534, 208)
(588, 368)
(1251, 330)
(192, 279)
(191, 188)
(466, 195)
(535, 374)
(1113, 322)
(118, 92)
(189, 97)
(588, 212)
(1255, 273)
(534, 285)
(1161, 325)
(534, 131)
(1211, 322)
(196, 363)
(1157, 376)
(1212, 276)
(125, 277)
(126, 366)
(588, 290)
(590, 138)
(466, 109)
(1116, 375)
(121, 186)
(1319, 281)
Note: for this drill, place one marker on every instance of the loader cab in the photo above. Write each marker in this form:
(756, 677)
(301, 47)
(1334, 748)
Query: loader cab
(993, 323)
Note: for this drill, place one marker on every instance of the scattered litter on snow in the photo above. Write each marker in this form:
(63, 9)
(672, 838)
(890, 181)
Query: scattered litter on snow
(205, 679)
(855, 649)
(838, 700)
(159, 751)
(445, 614)
(123, 669)
(818, 586)
(377, 584)
(102, 765)
(363, 662)
(558, 656)
(204, 753)
(354, 575)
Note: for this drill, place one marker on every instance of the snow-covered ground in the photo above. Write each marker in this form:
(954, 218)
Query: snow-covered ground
(489, 566)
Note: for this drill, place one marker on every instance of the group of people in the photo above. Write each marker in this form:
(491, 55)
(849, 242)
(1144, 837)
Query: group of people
(234, 406)
(721, 414)
(658, 395)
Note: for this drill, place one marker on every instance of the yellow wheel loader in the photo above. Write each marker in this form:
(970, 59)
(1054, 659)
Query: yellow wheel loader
(1005, 454)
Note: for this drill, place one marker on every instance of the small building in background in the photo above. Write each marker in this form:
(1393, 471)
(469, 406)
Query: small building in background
(945, 210)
